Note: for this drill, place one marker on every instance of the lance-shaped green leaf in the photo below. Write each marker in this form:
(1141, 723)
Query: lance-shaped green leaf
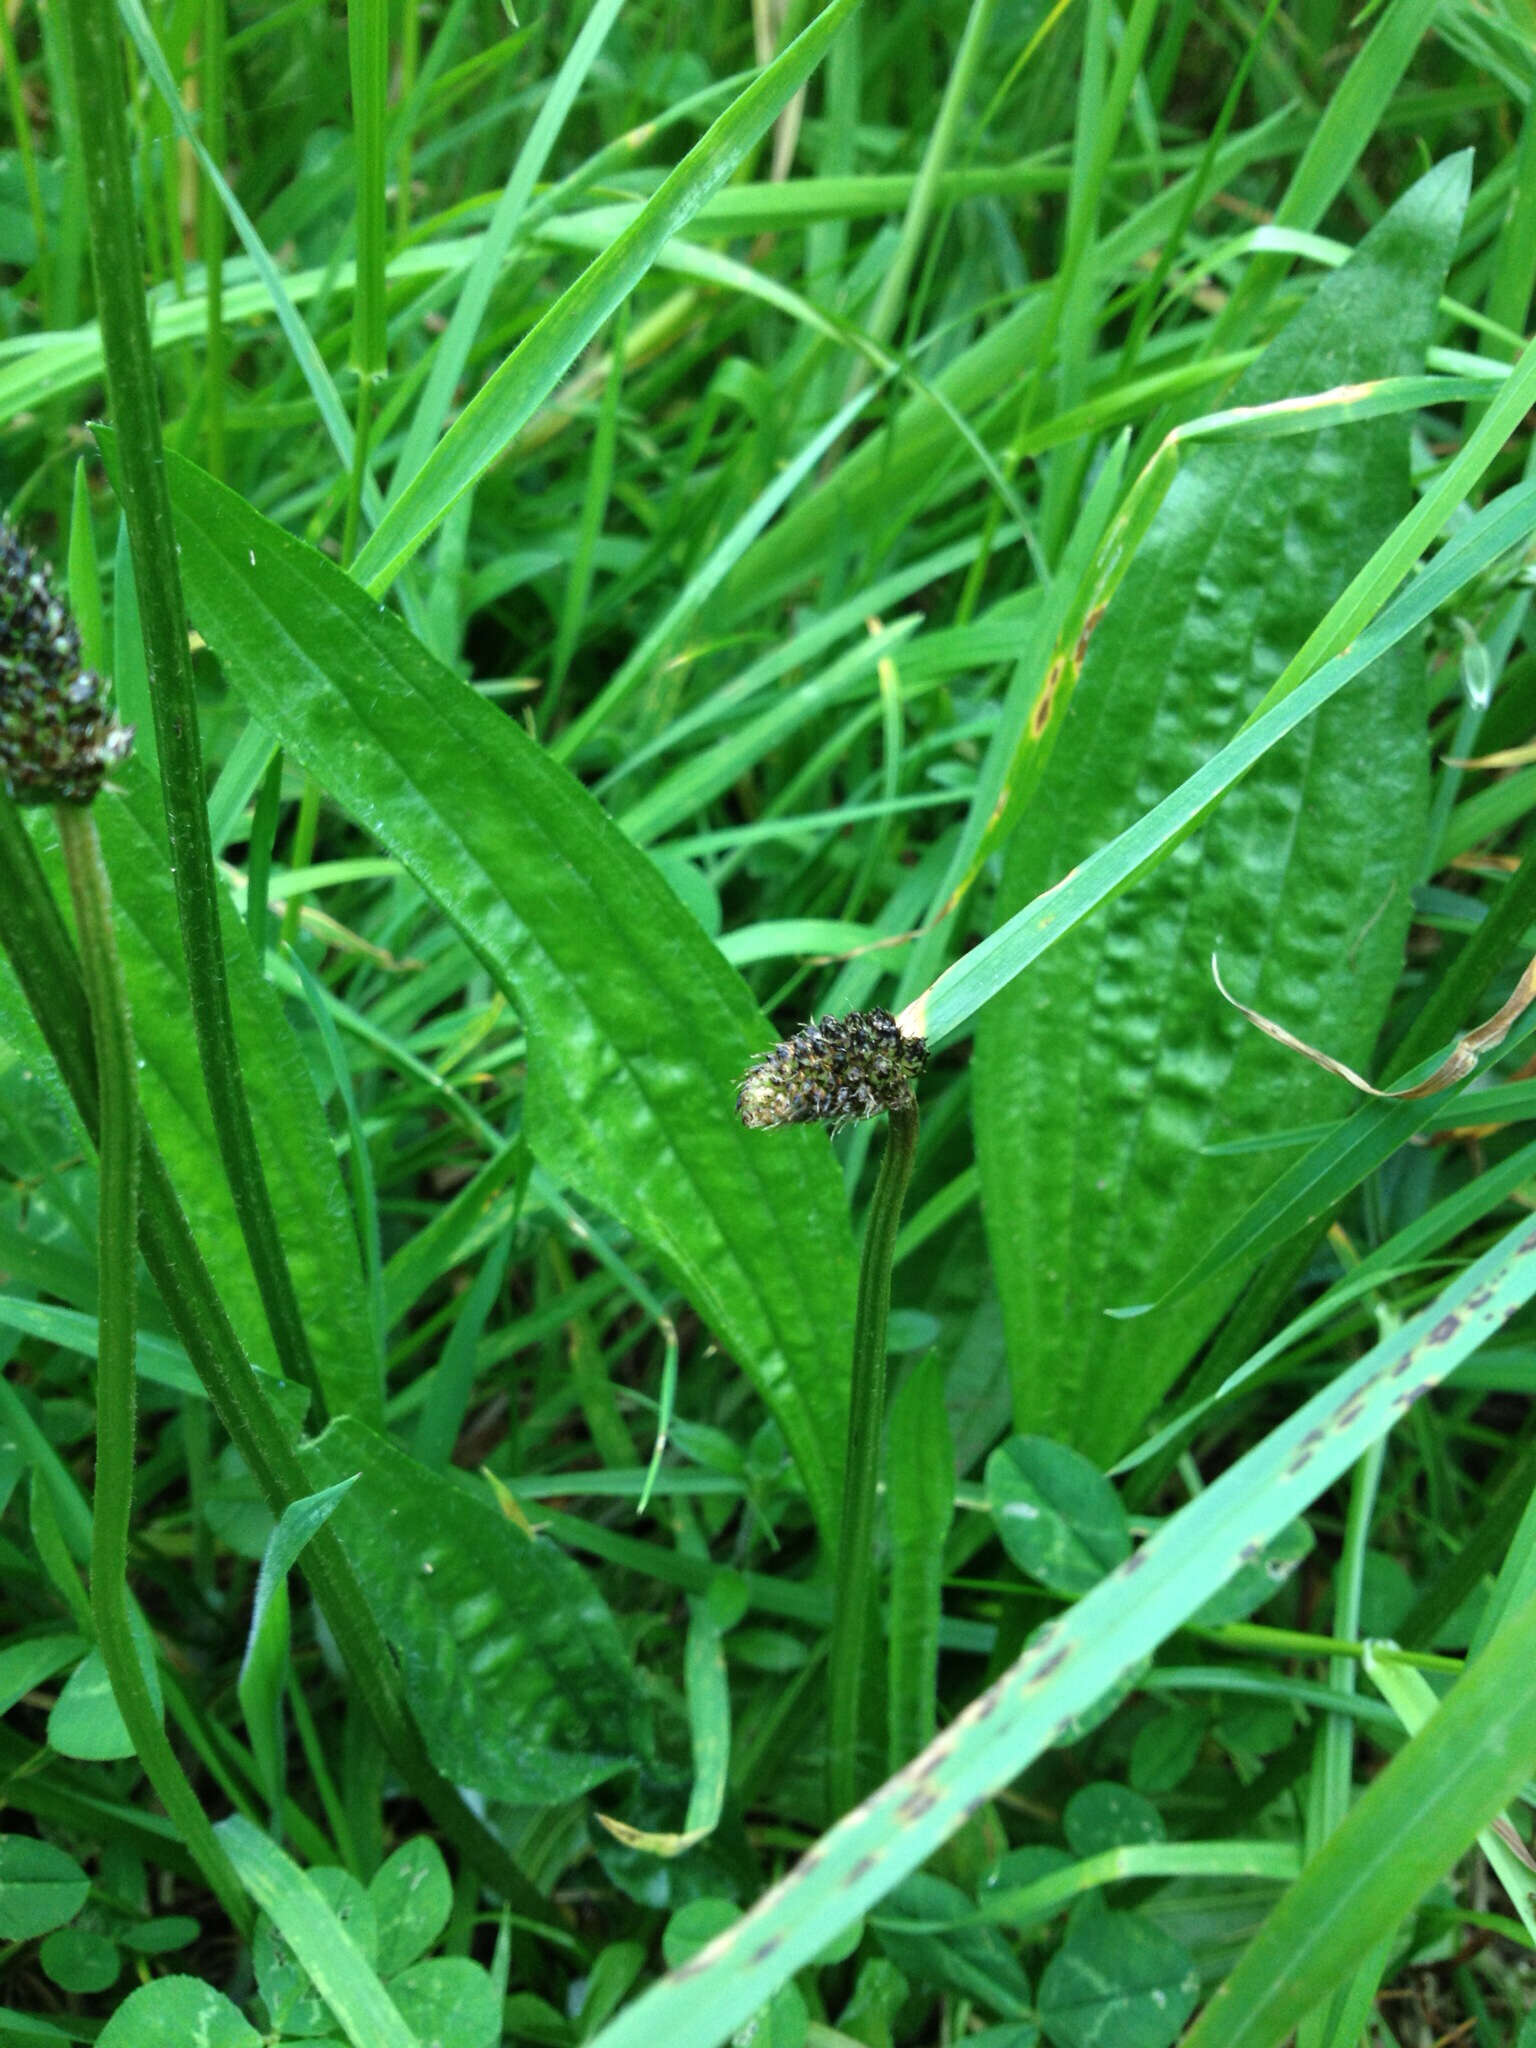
(986, 970)
(638, 1031)
(1103, 1073)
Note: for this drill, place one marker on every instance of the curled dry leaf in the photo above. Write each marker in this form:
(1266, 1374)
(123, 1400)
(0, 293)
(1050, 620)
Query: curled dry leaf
(1512, 1842)
(652, 1843)
(1457, 1064)
(1506, 757)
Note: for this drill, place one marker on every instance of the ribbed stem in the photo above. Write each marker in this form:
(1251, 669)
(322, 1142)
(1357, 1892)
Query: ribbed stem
(96, 59)
(112, 1510)
(853, 1590)
(49, 973)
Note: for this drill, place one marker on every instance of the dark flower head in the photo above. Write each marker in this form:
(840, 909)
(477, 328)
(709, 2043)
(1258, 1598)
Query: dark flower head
(836, 1072)
(58, 737)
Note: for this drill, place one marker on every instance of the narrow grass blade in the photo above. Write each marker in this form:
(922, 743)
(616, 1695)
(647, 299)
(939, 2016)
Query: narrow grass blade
(1402, 1253)
(368, 51)
(302, 343)
(1411, 1825)
(337, 1967)
(655, 645)
(1347, 123)
(1071, 1664)
(1313, 1186)
(493, 417)
(1414, 1701)
(452, 352)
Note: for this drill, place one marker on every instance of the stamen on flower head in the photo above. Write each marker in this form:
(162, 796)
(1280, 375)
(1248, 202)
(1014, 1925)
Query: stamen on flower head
(58, 737)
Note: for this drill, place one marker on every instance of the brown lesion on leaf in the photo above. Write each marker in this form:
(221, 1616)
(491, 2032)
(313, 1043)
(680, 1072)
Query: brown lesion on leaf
(1096, 612)
(922, 1799)
(861, 1869)
(1444, 1330)
(1354, 1401)
(711, 1953)
(1040, 714)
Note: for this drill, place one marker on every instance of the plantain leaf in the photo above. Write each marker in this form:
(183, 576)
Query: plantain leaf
(513, 1663)
(638, 1031)
(1102, 1072)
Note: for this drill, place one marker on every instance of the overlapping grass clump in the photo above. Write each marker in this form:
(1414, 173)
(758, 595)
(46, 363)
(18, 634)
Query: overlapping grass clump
(935, 518)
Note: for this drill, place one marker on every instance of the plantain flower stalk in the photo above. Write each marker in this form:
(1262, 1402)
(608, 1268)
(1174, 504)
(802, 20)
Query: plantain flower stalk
(58, 739)
(840, 1071)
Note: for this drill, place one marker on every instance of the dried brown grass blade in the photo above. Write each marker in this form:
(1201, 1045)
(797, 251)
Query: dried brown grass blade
(1506, 757)
(1457, 1064)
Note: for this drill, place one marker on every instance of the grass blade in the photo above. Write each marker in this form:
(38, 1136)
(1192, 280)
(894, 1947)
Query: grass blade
(1069, 1666)
(488, 424)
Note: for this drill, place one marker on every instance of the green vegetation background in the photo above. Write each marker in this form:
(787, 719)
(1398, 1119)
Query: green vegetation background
(691, 518)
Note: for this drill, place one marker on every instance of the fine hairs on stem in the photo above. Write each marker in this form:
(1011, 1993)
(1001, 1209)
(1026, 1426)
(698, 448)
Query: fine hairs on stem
(840, 1071)
(854, 1585)
(112, 1506)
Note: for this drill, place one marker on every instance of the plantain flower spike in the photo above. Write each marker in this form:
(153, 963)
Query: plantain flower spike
(837, 1072)
(58, 737)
